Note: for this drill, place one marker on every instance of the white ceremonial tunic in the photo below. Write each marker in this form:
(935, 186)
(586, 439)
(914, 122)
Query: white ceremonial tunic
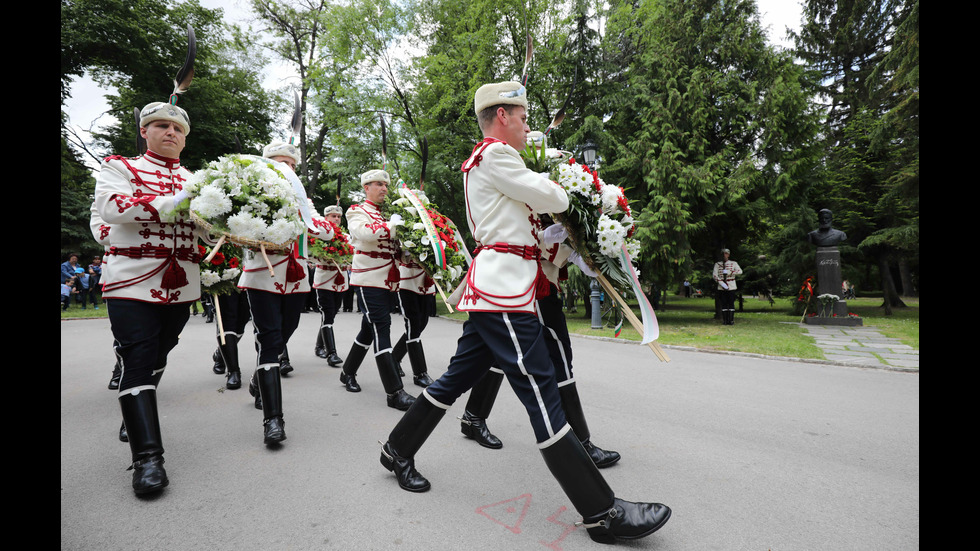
(502, 197)
(376, 248)
(289, 270)
(554, 257)
(100, 231)
(414, 279)
(729, 278)
(152, 250)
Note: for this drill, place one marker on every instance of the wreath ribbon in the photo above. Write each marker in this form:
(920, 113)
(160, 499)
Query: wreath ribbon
(651, 329)
(430, 227)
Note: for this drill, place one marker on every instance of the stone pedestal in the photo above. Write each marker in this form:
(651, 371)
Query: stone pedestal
(829, 283)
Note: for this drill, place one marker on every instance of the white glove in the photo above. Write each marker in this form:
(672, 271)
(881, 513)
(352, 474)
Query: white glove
(395, 220)
(180, 196)
(555, 233)
(576, 259)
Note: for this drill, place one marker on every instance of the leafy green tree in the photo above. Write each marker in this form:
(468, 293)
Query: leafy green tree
(865, 53)
(709, 128)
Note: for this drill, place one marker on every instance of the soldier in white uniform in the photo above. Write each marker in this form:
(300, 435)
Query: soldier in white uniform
(276, 301)
(554, 257)
(724, 274)
(330, 283)
(502, 199)
(374, 276)
(152, 275)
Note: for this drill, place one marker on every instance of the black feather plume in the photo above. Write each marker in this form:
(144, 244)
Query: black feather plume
(384, 145)
(296, 126)
(183, 79)
(425, 161)
(560, 115)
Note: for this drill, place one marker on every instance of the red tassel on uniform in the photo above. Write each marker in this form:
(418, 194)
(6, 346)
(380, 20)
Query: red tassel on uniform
(394, 276)
(339, 278)
(294, 272)
(174, 277)
(541, 284)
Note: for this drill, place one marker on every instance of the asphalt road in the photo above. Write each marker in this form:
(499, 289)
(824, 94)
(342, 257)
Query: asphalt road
(749, 453)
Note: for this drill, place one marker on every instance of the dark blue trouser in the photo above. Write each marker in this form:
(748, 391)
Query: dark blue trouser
(376, 322)
(514, 342)
(145, 333)
(556, 334)
(275, 317)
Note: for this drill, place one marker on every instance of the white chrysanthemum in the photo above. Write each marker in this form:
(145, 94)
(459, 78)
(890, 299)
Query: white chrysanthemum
(610, 235)
(243, 224)
(610, 199)
(282, 231)
(230, 273)
(211, 202)
(209, 278)
(633, 248)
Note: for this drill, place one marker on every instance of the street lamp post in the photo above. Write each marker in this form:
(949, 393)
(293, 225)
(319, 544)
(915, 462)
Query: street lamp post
(589, 156)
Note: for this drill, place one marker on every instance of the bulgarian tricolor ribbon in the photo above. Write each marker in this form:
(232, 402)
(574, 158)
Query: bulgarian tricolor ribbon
(651, 329)
(430, 228)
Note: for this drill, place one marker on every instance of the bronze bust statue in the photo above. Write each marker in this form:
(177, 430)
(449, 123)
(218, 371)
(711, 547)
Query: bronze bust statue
(826, 236)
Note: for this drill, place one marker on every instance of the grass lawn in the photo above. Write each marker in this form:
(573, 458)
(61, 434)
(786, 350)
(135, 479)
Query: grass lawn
(759, 328)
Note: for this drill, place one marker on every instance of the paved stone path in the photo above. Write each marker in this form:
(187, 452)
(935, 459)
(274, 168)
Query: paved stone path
(863, 345)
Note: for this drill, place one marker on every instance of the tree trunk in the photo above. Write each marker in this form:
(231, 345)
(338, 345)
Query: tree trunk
(888, 286)
(906, 278)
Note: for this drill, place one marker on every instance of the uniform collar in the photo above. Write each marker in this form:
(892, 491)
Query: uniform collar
(158, 159)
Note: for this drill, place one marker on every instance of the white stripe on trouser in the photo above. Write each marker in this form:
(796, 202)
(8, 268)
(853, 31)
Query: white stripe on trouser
(374, 327)
(408, 321)
(561, 347)
(530, 378)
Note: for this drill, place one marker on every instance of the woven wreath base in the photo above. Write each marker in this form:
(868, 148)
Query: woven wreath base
(283, 248)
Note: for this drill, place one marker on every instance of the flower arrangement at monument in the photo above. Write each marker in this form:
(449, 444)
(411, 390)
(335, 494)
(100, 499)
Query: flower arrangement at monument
(219, 272)
(246, 199)
(431, 240)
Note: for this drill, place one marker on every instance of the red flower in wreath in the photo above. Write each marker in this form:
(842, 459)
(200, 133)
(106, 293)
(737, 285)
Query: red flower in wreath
(218, 259)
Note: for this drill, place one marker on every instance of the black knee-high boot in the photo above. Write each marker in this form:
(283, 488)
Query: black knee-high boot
(575, 416)
(604, 516)
(284, 366)
(405, 440)
(473, 423)
(398, 353)
(351, 365)
(270, 389)
(416, 355)
(333, 360)
(116, 375)
(142, 422)
(229, 354)
(397, 397)
(318, 349)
